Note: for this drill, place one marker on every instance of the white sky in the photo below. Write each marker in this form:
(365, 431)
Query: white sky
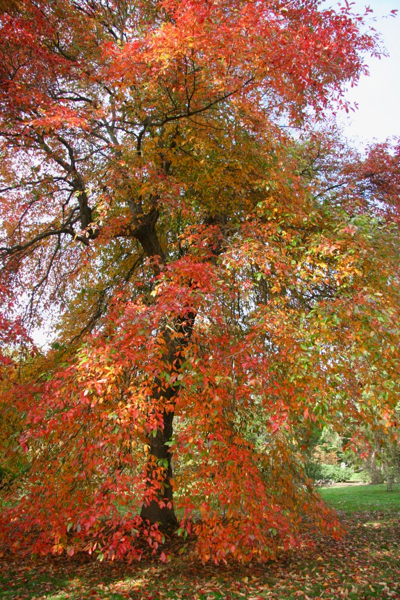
(378, 96)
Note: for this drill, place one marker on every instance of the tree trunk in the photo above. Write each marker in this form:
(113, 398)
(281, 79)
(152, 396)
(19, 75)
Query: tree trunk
(374, 470)
(389, 482)
(159, 508)
(158, 502)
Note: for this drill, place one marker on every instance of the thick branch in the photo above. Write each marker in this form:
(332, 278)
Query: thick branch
(145, 231)
(67, 229)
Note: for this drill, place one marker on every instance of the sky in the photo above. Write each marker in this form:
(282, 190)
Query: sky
(378, 96)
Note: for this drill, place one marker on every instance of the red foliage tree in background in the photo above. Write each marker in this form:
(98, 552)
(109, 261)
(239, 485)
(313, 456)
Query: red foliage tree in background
(221, 276)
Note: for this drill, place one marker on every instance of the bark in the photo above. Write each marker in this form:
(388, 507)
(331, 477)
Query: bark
(389, 481)
(160, 509)
(158, 502)
(374, 470)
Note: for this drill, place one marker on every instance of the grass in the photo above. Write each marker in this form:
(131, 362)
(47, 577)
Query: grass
(364, 565)
(362, 498)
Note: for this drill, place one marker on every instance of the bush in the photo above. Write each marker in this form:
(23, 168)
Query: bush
(323, 473)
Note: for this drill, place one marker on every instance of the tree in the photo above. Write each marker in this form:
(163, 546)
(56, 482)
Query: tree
(201, 265)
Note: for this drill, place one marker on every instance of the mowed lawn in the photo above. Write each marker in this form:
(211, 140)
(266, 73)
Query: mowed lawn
(365, 564)
(362, 498)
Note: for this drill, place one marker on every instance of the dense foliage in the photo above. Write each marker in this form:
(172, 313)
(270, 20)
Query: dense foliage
(220, 270)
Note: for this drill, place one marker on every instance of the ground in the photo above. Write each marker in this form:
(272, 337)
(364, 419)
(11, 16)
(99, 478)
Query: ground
(364, 565)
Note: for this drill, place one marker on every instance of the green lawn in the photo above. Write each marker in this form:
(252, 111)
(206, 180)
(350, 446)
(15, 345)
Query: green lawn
(364, 565)
(362, 498)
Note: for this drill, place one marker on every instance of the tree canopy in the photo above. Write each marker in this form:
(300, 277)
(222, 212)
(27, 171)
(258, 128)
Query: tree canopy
(220, 270)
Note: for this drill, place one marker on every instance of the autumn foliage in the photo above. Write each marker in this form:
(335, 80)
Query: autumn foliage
(220, 271)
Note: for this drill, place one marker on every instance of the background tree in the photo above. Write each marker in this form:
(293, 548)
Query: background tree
(198, 262)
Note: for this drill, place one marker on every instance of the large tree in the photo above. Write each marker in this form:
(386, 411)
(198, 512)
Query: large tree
(207, 259)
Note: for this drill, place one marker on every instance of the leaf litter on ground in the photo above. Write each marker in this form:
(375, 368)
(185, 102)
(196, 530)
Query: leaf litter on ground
(365, 564)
